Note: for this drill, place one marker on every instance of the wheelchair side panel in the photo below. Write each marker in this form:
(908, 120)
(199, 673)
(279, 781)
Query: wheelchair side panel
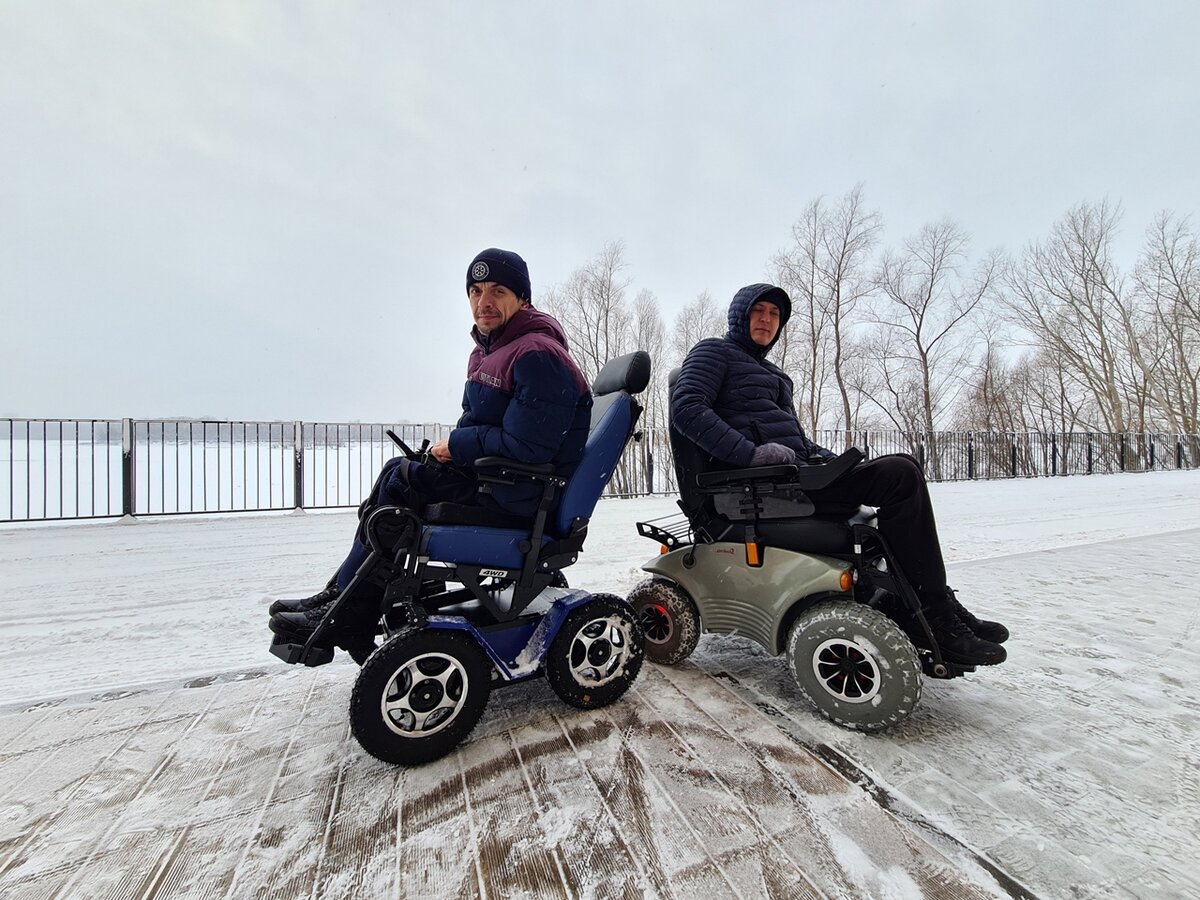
(517, 648)
(736, 598)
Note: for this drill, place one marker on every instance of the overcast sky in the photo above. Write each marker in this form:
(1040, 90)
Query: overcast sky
(265, 210)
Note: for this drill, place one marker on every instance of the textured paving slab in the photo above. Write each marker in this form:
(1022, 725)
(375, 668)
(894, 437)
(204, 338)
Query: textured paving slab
(254, 788)
(1069, 772)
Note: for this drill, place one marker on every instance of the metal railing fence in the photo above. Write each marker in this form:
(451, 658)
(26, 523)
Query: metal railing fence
(55, 469)
(954, 455)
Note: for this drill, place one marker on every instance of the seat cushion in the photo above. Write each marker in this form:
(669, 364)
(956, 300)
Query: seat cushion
(475, 545)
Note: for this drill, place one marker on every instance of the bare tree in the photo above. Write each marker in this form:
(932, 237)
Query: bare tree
(891, 383)
(649, 334)
(1067, 295)
(826, 272)
(1167, 280)
(695, 321)
(993, 397)
(591, 307)
(926, 301)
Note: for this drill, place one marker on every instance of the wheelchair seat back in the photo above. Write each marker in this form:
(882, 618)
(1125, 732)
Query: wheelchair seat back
(614, 414)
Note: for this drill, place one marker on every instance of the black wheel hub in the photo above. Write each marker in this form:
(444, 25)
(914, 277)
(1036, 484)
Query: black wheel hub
(426, 695)
(599, 653)
(846, 671)
(656, 624)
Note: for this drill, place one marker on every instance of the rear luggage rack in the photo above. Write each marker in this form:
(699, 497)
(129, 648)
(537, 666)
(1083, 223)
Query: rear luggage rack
(671, 531)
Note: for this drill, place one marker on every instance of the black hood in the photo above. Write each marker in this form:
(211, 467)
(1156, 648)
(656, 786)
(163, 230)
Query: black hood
(739, 315)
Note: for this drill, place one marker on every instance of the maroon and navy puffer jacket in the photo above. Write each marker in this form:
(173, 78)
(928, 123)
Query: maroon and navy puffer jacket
(525, 400)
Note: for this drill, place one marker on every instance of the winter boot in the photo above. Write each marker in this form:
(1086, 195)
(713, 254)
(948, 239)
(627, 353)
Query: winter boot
(956, 641)
(298, 625)
(329, 592)
(982, 628)
(355, 627)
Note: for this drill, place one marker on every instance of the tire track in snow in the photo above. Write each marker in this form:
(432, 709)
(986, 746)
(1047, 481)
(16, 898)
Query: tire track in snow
(855, 774)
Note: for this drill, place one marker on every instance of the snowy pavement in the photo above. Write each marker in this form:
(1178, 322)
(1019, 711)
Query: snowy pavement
(149, 745)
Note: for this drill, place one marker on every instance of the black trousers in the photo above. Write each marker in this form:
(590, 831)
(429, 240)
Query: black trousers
(402, 482)
(896, 485)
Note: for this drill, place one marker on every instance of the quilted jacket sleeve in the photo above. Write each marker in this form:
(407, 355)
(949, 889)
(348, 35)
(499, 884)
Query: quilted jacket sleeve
(811, 447)
(692, 405)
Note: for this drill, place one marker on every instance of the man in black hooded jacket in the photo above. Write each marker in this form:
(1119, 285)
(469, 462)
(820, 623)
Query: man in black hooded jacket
(737, 407)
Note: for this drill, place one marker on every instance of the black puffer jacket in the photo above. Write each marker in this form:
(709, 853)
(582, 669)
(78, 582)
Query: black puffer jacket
(728, 399)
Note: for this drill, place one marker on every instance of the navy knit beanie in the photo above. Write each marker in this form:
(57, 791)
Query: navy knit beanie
(503, 267)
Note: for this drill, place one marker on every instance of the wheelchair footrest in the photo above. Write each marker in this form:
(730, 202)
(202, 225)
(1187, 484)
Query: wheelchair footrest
(294, 653)
(951, 670)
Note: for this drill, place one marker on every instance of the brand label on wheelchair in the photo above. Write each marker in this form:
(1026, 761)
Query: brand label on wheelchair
(493, 573)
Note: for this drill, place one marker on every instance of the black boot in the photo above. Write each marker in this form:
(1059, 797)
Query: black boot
(956, 641)
(355, 627)
(982, 628)
(298, 625)
(327, 593)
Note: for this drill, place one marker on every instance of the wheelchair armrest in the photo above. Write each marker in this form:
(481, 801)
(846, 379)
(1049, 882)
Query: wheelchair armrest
(814, 478)
(499, 470)
(736, 476)
(808, 478)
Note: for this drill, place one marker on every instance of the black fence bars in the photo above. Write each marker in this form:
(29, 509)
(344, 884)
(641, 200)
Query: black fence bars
(57, 469)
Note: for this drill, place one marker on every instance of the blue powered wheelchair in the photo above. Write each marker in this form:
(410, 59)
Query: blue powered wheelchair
(474, 599)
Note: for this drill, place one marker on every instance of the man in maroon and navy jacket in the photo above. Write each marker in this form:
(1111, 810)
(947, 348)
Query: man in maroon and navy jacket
(525, 400)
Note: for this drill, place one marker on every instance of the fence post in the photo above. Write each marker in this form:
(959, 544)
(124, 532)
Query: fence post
(1014, 454)
(127, 468)
(1179, 452)
(970, 454)
(1151, 439)
(867, 445)
(1054, 454)
(1122, 451)
(298, 463)
(1089, 440)
(921, 455)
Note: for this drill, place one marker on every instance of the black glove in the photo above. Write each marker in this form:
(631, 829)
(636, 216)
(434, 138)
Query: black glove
(772, 455)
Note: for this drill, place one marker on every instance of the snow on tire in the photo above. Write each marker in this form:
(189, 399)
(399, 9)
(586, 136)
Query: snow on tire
(419, 695)
(596, 654)
(669, 618)
(854, 664)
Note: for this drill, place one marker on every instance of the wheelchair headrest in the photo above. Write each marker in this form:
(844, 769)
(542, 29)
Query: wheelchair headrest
(630, 373)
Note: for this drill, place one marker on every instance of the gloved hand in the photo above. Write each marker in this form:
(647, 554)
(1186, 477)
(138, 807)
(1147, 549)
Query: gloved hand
(772, 455)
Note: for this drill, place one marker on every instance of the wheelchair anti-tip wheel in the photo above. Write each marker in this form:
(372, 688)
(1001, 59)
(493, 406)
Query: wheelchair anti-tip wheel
(668, 617)
(854, 664)
(596, 654)
(419, 695)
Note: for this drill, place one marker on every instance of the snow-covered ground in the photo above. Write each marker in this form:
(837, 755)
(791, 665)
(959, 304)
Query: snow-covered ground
(1070, 771)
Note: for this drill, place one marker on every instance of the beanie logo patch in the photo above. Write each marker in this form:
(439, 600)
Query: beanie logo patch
(479, 271)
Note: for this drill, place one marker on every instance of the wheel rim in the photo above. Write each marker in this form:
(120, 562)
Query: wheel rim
(657, 624)
(599, 651)
(424, 695)
(847, 670)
